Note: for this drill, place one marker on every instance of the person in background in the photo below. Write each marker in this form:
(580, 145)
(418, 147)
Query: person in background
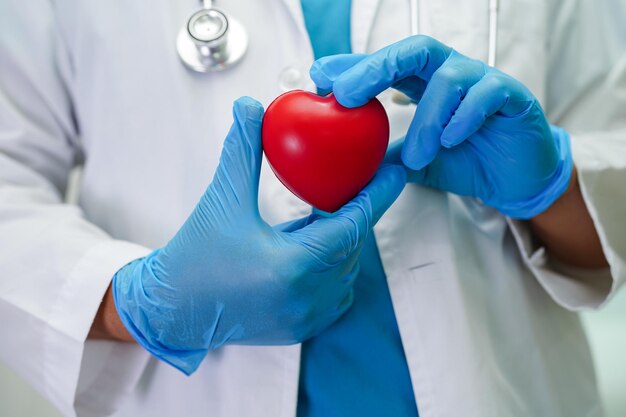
(449, 286)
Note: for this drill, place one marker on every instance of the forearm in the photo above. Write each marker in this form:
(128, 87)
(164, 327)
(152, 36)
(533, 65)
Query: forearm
(107, 324)
(567, 231)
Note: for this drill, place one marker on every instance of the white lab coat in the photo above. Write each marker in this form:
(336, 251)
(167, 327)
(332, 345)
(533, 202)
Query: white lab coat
(482, 312)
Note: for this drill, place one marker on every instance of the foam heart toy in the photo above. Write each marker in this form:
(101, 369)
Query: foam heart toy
(323, 152)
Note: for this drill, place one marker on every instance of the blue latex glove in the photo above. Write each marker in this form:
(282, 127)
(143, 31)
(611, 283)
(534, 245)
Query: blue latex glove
(227, 277)
(476, 131)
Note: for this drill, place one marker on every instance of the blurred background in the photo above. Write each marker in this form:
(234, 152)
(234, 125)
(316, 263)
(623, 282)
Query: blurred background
(606, 330)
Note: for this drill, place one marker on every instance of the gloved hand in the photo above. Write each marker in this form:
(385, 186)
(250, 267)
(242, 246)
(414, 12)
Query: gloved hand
(227, 277)
(476, 131)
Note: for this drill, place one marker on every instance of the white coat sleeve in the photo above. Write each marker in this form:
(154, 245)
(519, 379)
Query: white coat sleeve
(54, 265)
(587, 97)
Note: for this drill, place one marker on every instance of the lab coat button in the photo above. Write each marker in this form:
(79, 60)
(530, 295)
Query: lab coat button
(291, 78)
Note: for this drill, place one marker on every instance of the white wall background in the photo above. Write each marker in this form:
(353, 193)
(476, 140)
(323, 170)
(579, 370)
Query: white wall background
(607, 333)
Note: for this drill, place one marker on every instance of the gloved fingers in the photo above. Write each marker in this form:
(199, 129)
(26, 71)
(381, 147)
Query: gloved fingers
(327, 317)
(495, 93)
(346, 303)
(417, 56)
(443, 95)
(325, 71)
(343, 304)
(333, 293)
(334, 238)
(350, 277)
(394, 156)
(234, 190)
(412, 86)
(293, 225)
(381, 192)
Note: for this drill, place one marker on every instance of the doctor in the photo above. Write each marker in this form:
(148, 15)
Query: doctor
(473, 316)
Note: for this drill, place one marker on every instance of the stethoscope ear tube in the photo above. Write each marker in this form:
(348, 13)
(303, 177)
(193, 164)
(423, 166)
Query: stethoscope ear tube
(492, 46)
(493, 32)
(494, 8)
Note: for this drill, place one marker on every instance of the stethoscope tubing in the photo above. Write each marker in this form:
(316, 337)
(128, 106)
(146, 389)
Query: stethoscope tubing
(414, 12)
(494, 8)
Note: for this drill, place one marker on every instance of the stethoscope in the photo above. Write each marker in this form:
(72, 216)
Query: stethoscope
(213, 41)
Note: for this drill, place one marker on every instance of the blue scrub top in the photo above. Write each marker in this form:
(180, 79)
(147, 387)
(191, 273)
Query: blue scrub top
(356, 367)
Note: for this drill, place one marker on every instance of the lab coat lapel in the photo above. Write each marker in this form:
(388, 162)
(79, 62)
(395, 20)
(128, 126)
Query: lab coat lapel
(295, 9)
(361, 21)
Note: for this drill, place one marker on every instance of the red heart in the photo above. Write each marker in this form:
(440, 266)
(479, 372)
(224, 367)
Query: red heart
(321, 151)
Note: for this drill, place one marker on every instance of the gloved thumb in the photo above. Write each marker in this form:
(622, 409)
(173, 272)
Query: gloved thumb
(394, 156)
(234, 190)
(336, 237)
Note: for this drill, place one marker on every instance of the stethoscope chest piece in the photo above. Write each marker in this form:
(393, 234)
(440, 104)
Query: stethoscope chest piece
(211, 41)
